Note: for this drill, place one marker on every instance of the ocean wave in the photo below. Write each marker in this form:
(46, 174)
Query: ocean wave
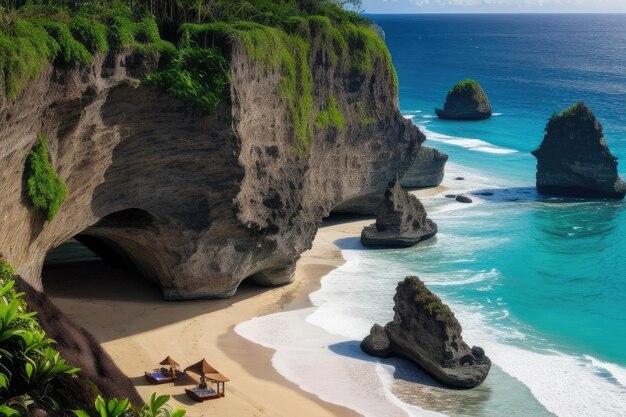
(477, 145)
(480, 277)
(566, 385)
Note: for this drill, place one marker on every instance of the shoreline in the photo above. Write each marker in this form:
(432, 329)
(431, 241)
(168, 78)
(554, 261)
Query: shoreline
(191, 330)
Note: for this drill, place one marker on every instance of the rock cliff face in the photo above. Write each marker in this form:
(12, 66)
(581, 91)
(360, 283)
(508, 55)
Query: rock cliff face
(425, 331)
(427, 170)
(196, 202)
(574, 160)
(466, 101)
(400, 220)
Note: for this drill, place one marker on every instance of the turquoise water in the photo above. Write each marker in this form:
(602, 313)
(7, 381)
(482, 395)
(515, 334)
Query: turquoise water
(562, 273)
(538, 283)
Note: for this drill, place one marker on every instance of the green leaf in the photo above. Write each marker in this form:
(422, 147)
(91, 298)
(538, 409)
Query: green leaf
(8, 411)
(179, 412)
(80, 413)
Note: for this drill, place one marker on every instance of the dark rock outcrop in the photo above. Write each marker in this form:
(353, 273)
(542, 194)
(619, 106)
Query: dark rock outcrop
(463, 199)
(400, 220)
(574, 160)
(376, 343)
(427, 169)
(425, 331)
(466, 101)
(195, 202)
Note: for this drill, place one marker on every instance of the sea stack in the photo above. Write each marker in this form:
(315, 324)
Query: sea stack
(466, 101)
(400, 220)
(574, 160)
(425, 331)
(427, 169)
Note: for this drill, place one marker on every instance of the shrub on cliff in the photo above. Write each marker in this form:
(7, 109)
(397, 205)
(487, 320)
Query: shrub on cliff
(196, 75)
(28, 360)
(46, 189)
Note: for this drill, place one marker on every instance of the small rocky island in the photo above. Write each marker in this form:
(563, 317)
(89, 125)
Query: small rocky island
(425, 331)
(466, 101)
(400, 220)
(574, 160)
(427, 169)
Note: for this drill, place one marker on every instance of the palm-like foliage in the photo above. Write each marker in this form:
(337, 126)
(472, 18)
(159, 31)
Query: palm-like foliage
(28, 361)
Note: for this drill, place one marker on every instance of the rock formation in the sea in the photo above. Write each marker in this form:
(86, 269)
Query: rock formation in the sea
(197, 202)
(400, 220)
(463, 199)
(574, 160)
(466, 101)
(425, 331)
(427, 169)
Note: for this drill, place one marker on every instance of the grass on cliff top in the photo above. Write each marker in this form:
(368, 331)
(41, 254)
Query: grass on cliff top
(35, 35)
(465, 86)
(289, 49)
(46, 190)
(428, 300)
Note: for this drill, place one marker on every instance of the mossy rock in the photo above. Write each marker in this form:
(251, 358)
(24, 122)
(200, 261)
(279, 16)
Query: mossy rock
(466, 101)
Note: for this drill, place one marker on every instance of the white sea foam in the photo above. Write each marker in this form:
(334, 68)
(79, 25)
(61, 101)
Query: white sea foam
(567, 385)
(330, 366)
(409, 116)
(477, 145)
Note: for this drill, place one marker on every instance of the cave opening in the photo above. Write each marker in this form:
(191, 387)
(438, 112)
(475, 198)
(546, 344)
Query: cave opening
(92, 265)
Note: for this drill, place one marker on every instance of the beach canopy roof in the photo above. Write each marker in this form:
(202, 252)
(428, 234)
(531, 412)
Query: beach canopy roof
(203, 368)
(169, 361)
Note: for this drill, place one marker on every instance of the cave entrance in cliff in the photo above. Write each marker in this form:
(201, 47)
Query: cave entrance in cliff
(89, 264)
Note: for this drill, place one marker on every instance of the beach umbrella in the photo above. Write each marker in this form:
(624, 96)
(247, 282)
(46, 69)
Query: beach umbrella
(172, 364)
(203, 368)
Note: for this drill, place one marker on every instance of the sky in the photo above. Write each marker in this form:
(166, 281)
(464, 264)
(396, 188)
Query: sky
(494, 6)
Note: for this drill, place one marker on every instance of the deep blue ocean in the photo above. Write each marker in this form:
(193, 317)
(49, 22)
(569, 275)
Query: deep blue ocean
(539, 283)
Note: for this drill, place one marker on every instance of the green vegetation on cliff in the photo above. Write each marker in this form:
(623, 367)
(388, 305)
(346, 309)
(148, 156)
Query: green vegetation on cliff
(46, 189)
(465, 86)
(284, 36)
(330, 117)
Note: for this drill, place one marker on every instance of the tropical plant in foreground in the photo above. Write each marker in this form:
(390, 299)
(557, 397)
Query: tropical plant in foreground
(28, 361)
(156, 407)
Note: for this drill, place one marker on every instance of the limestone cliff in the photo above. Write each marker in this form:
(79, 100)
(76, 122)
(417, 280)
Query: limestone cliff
(197, 202)
(427, 170)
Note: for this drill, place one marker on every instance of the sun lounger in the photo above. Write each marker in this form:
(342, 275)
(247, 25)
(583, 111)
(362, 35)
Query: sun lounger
(202, 394)
(160, 376)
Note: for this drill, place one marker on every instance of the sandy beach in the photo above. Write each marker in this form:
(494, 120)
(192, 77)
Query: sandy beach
(128, 316)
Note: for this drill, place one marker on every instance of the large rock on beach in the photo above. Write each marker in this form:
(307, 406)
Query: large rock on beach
(425, 331)
(466, 101)
(574, 160)
(400, 220)
(427, 170)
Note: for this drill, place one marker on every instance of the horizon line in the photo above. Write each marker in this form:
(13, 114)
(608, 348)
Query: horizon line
(483, 13)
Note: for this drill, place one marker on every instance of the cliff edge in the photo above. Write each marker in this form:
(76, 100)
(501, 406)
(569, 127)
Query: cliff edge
(198, 201)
